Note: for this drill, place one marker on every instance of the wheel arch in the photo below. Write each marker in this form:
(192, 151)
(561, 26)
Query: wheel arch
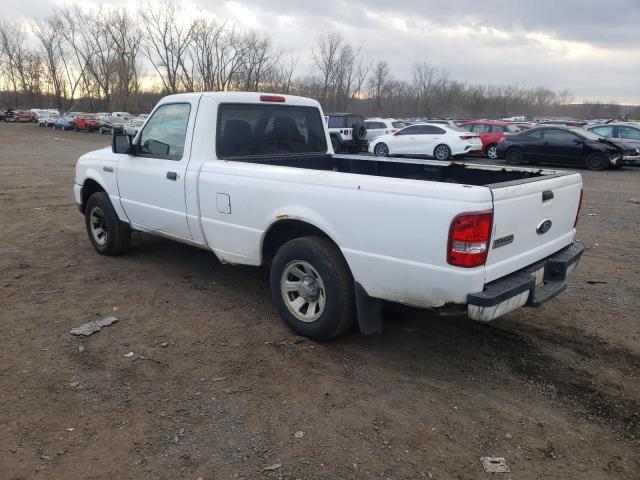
(286, 229)
(89, 187)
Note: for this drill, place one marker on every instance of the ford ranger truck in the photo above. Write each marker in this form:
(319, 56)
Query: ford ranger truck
(253, 178)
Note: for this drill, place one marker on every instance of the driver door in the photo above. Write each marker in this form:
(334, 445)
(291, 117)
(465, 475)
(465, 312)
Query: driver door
(151, 182)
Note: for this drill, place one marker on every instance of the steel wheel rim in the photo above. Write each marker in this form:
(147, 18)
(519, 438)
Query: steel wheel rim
(98, 226)
(381, 150)
(442, 153)
(492, 152)
(303, 291)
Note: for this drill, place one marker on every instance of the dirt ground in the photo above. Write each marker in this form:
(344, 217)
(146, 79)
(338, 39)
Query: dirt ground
(232, 394)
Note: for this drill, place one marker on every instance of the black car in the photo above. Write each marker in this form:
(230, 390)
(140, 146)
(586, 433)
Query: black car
(566, 146)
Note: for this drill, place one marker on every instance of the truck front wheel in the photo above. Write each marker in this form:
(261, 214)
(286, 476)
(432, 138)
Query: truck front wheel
(312, 288)
(108, 235)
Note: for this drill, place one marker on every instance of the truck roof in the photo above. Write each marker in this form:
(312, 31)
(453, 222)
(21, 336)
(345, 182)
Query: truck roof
(243, 97)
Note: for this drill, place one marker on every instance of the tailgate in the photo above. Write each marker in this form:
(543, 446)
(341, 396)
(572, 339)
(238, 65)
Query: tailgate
(531, 221)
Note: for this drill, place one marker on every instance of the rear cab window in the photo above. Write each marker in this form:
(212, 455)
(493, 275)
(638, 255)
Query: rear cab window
(249, 130)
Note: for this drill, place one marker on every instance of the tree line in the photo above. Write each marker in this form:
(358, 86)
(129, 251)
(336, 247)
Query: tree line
(97, 60)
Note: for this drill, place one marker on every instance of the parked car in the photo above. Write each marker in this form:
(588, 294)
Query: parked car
(110, 124)
(51, 119)
(64, 122)
(42, 119)
(133, 125)
(566, 123)
(381, 126)
(439, 141)
(628, 132)
(490, 133)
(9, 115)
(340, 234)
(124, 115)
(21, 116)
(347, 132)
(90, 122)
(566, 146)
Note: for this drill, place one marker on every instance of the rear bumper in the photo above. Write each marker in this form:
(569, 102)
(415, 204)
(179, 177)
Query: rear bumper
(531, 287)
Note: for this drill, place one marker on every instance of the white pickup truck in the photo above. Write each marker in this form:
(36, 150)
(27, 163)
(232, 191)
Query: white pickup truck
(253, 178)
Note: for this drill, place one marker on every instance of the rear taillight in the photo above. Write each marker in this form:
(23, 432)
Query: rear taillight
(579, 207)
(394, 130)
(466, 137)
(469, 237)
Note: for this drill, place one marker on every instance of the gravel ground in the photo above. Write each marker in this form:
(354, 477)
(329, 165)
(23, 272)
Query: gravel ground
(217, 387)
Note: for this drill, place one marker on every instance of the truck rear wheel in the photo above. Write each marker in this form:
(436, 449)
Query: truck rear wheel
(108, 235)
(312, 288)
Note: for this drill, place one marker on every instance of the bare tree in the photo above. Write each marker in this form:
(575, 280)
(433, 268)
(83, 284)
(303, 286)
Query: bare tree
(125, 35)
(166, 41)
(326, 56)
(379, 84)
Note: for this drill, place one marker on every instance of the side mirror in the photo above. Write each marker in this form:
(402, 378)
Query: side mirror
(577, 142)
(121, 143)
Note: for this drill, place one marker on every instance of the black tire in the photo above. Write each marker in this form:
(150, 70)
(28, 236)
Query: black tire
(358, 133)
(492, 151)
(117, 234)
(327, 260)
(597, 162)
(76, 128)
(513, 156)
(442, 152)
(381, 150)
(335, 144)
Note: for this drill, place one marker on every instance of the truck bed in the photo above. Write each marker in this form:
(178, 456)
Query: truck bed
(407, 168)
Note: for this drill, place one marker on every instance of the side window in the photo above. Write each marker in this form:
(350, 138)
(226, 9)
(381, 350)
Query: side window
(336, 122)
(164, 134)
(561, 136)
(480, 128)
(497, 128)
(629, 132)
(374, 125)
(432, 130)
(604, 131)
(413, 130)
(537, 134)
(468, 127)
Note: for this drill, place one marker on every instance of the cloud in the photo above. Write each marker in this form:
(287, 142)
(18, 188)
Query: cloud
(589, 46)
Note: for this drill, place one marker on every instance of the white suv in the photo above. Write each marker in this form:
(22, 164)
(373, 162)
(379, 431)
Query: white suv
(382, 126)
(347, 132)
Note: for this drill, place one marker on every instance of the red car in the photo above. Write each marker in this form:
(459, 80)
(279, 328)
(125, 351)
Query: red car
(21, 116)
(87, 121)
(490, 133)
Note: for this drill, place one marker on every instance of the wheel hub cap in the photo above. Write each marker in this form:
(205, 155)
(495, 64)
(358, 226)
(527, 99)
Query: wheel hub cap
(309, 289)
(303, 291)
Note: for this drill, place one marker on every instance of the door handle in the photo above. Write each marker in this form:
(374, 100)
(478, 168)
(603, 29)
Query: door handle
(173, 176)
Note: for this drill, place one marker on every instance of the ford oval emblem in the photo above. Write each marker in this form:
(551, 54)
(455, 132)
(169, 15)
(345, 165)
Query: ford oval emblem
(544, 227)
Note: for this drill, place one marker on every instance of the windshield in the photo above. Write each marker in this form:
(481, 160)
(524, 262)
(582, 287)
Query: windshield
(587, 134)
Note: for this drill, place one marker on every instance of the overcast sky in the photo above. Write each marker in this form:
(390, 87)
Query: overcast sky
(589, 46)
